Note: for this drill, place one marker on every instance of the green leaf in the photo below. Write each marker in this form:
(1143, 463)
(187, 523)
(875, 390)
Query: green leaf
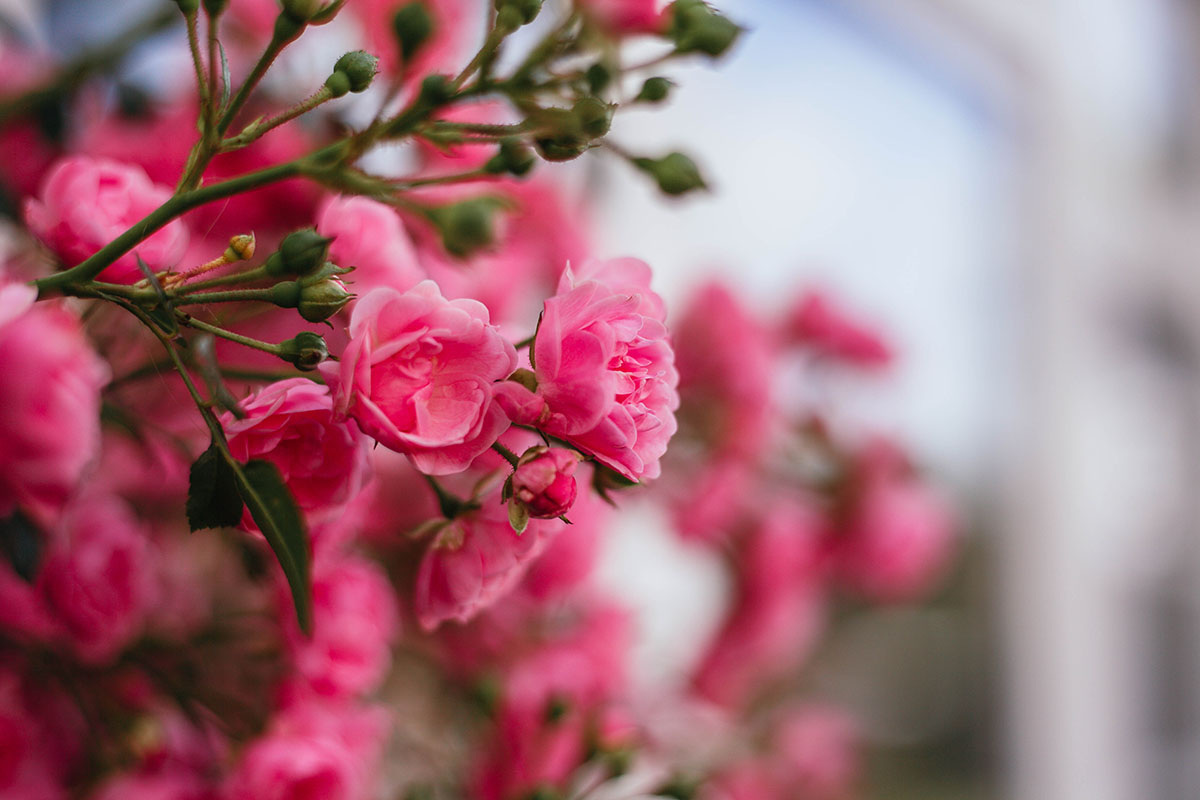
(278, 517)
(213, 499)
(518, 516)
(21, 542)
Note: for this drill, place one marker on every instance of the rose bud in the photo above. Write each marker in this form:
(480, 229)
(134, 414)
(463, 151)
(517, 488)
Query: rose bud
(301, 253)
(321, 300)
(544, 481)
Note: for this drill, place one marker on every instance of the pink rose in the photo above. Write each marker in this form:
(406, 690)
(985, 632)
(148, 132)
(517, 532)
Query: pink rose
(418, 376)
(87, 202)
(173, 784)
(778, 612)
(354, 623)
(291, 423)
(898, 541)
(544, 481)
(313, 752)
(50, 384)
(817, 321)
(370, 237)
(474, 561)
(816, 752)
(33, 762)
(626, 16)
(97, 579)
(605, 369)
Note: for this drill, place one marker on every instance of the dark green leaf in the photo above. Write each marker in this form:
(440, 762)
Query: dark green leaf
(278, 517)
(21, 542)
(213, 498)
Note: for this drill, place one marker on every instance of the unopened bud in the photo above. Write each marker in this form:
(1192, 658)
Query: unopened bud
(594, 116)
(413, 25)
(188, 7)
(598, 77)
(514, 158)
(321, 300)
(306, 350)
(654, 90)
(544, 481)
(697, 28)
(436, 90)
(675, 173)
(214, 8)
(523, 12)
(301, 10)
(466, 226)
(301, 253)
(353, 72)
(241, 248)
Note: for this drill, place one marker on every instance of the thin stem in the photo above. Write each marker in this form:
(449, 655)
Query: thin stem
(234, 296)
(197, 61)
(175, 206)
(457, 177)
(450, 505)
(526, 342)
(509, 455)
(274, 48)
(254, 132)
(230, 279)
(486, 53)
(257, 344)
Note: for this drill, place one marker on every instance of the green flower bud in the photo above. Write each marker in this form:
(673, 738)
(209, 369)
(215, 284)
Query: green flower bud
(654, 90)
(594, 116)
(321, 300)
(514, 158)
(525, 10)
(285, 294)
(241, 248)
(301, 10)
(353, 72)
(413, 25)
(466, 226)
(305, 350)
(697, 28)
(598, 77)
(214, 8)
(188, 7)
(436, 90)
(675, 173)
(301, 252)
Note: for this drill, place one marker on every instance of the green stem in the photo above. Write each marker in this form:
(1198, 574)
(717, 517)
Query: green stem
(509, 455)
(159, 217)
(197, 62)
(257, 344)
(232, 278)
(486, 53)
(274, 48)
(244, 138)
(526, 342)
(458, 177)
(232, 296)
(450, 505)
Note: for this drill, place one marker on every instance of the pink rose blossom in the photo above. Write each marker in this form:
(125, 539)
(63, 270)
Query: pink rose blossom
(50, 383)
(544, 481)
(418, 376)
(313, 752)
(369, 237)
(777, 615)
(87, 202)
(33, 765)
(354, 623)
(605, 369)
(816, 752)
(291, 423)
(626, 16)
(898, 541)
(174, 784)
(817, 321)
(97, 579)
(474, 561)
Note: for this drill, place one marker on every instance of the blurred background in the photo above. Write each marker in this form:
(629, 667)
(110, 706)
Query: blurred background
(1011, 189)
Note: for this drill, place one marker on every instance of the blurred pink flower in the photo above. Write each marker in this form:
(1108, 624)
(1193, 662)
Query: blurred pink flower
(97, 577)
(87, 202)
(452, 36)
(418, 375)
(605, 369)
(173, 784)
(313, 751)
(626, 16)
(370, 237)
(291, 423)
(474, 561)
(354, 624)
(817, 321)
(49, 422)
(816, 753)
(33, 765)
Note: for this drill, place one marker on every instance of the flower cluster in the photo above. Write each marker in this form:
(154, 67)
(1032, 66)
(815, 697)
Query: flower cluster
(306, 467)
